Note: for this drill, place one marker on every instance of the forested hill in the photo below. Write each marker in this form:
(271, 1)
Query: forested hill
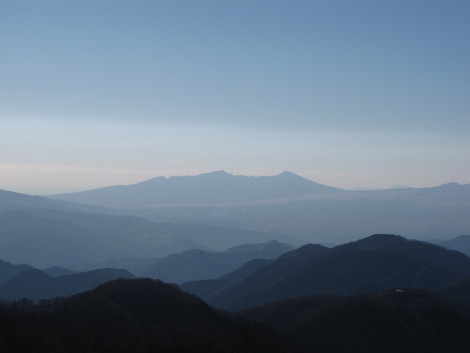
(130, 316)
(369, 265)
(395, 321)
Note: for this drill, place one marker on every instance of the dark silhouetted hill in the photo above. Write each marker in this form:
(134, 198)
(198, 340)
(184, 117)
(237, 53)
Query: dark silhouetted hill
(127, 316)
(199, 264)
(388, 322)
(459, 292)
(370, 265)
(209, 188)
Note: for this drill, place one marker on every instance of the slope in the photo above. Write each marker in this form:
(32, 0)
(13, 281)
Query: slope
(199, 264)
(35, 284)
(54, 238)
(110, 319)
(209, 188)
(460, 243)
(369, 265)
(388, 322)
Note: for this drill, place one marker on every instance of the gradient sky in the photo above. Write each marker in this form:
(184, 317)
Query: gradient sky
(346, 93)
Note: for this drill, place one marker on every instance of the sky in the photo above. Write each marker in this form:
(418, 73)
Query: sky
(353, 94)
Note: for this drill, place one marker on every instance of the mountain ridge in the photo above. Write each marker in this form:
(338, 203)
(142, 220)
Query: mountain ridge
(407, 321)
(206, 188)
(35, 284)
(372, 264)
(196, 264)
(110, 319)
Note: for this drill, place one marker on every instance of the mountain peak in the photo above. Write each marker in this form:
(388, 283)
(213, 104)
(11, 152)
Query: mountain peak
(376, 241)
(287, 173)
(217, 173)
(449, 186)
(208, 188)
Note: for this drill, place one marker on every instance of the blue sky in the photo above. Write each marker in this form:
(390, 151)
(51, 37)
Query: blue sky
(347, 93)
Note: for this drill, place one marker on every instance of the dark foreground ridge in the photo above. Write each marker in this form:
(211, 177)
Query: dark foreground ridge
(144, 315)
(126, 315)
(389, 322)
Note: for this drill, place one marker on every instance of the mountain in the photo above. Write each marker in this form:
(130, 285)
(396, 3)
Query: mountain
(210, 188)
(11, 201)
(370, 265)
(291, 205)
(336, 217)
(460, 243)
(8, 270)
(278, 270)
(407, 321)
(199, 264)
(45, 238)
(110, 318)
(459, 292)
(35, 284)
(210, 287)
(56, 271)
(133, 265)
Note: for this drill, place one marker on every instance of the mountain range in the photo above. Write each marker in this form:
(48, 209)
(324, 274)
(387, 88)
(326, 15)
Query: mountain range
(48, 238)
(308, 295)
(460, 243)
(369, 265)
(130, 316)
(290, 204)
(25, 281)
(210, 188)
(9, 270)
(36, 284)
(165, 319)
(13, 201)
(199, 264)
(43, 233)
(407, 321)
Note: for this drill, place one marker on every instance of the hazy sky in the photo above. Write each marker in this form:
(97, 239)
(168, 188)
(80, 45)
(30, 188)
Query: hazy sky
(347, 93)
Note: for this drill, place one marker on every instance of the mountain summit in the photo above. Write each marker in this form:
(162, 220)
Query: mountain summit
(209, 188)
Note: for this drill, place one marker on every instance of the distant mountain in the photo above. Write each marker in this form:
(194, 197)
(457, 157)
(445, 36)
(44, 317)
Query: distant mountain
(56, 271)
(55, 238)
(277, 271)
(210, 287)
(372, 264)
(199, 264)
(460, 243)
(12, 201)
(388, 322)
(133, 265)
(35, 284)
(42, 238)
(209, 188)
(337, 217)
(8, 270)
(131, 316)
